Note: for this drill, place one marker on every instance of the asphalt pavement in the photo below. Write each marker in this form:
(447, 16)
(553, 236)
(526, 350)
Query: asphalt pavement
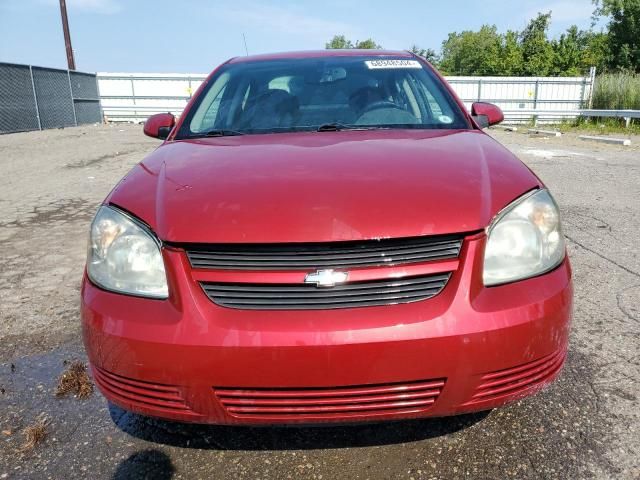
(586, 425)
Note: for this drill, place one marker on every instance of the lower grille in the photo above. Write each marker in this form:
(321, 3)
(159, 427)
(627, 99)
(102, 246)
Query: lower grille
(140, 393)
(517, 379)
(265, 296)
(335, 402)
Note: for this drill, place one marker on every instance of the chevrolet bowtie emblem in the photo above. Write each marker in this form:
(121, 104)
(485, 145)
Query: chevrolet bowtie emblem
(326, 278)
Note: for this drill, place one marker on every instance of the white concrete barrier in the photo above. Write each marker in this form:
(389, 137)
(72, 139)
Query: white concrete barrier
(546, 133)
(614, 141)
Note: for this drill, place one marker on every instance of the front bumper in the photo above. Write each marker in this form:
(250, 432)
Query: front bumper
(469, 348)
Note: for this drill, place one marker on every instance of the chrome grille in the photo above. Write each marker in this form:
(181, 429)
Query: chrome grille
(313, 256)
(268, 296)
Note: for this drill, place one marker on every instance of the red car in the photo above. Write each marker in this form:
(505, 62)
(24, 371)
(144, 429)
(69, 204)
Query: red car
(325, 237)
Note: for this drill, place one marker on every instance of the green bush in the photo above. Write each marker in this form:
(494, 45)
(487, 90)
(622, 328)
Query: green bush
(616, 91)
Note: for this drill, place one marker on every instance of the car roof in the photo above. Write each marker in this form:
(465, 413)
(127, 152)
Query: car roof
(351, 52)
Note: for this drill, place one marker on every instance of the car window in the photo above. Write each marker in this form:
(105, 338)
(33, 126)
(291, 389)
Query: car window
(412, 102)
(207, 115)
(280, 83)
(303, 94)
(434, 106)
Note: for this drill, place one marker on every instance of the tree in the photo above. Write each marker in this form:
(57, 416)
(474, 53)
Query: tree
(568, 51)
(340, 42)
(510, 54)
(472, 53)
(531, 52)
(597, 53)
(578, 50)
(428, 54)
(368, 44)
(624, 32)
(537, 51)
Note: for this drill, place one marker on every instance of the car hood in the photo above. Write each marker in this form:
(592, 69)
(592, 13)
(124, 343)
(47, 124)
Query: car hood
(323, 186)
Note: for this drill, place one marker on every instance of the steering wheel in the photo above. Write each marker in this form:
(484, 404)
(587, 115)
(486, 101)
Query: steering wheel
(380, 104)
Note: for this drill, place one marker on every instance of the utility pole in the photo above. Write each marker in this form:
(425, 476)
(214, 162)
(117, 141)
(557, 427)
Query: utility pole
(67, 36)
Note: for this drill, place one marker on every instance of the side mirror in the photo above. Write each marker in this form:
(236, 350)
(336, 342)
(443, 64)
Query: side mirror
(159, 125)
(486, 114)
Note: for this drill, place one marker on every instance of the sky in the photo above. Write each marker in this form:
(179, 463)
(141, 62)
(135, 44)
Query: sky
(194, 36)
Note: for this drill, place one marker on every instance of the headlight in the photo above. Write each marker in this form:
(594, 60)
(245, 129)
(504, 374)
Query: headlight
(524, 240)
(124, 256)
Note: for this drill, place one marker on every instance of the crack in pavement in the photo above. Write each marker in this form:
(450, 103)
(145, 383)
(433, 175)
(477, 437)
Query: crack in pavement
(584, 247)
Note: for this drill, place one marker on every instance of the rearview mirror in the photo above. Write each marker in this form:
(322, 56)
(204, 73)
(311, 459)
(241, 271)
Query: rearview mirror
(486, 114)
(159, 125)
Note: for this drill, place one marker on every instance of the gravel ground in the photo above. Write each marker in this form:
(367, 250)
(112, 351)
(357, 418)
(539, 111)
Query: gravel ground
(586, 425)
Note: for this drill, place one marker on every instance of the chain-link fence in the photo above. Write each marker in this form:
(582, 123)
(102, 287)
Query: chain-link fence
(35, 98)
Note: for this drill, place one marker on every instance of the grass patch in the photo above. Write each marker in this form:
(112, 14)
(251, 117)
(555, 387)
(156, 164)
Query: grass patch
(35, 434)
(617, 91)
(599, 126)
(75, 380)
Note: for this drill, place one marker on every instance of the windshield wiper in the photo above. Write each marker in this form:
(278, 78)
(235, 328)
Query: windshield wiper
(336, 127)
(217, 132)
(220, 132)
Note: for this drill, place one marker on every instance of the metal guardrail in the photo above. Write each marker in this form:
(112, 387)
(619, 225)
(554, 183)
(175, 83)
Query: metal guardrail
(627, 115)
(551, 115)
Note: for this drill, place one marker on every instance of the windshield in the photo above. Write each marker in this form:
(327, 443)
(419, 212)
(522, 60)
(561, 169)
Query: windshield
(328, 93)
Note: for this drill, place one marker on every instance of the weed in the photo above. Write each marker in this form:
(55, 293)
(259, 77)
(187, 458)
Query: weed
(35, 434)
(75, 380)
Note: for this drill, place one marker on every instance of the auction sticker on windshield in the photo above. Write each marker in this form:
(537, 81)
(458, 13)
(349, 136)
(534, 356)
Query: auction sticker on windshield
(374, 64)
